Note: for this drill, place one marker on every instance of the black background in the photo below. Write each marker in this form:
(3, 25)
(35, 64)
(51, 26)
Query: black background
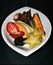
(43, 55)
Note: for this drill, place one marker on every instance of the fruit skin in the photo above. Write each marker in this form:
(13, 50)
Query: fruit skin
(19, 41)
(20, 33)
(28, 28)
(21, 28)
(25, 17)
(12, 28)
(32, 24)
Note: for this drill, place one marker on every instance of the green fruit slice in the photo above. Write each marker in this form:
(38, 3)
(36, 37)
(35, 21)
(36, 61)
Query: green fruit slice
(28, 28)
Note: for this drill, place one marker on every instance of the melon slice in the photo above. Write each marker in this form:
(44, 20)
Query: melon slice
(28, 28)
(21, 28)
(38, 23)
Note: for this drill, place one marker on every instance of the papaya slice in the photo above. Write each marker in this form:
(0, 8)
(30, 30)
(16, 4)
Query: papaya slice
(21, 28)
(38, 23)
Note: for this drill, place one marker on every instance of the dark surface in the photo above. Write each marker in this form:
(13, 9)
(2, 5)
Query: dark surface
(43, 55)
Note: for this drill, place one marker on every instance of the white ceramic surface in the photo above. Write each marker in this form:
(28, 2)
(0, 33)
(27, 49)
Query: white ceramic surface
(9, 41)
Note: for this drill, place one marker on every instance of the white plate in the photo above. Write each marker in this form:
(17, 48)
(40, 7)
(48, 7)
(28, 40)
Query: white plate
(9, 41)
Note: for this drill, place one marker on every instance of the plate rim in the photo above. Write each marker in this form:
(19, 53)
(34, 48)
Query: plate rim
(27, 54)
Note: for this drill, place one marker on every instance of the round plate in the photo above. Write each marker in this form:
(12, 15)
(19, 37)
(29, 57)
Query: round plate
(9, 41)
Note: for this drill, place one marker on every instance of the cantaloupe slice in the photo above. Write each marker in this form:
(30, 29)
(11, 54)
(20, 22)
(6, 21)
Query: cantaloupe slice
(21, 28)
(38, 23)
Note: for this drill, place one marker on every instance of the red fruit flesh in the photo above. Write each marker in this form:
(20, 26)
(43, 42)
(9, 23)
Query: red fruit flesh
(12, 28)
(17, 35)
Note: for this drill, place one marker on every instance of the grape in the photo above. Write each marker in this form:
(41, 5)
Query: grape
(25, 17)
(19, 41)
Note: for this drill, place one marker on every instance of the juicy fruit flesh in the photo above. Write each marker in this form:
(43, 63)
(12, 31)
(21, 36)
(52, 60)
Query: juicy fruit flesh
(11, 28)
(38, 22)
(21, 28)
(28, 28)
(20, 33)
(34, 37)
(33, 40)
(34, 31)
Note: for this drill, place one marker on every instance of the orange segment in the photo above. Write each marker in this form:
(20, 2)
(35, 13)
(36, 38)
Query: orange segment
(21, 28)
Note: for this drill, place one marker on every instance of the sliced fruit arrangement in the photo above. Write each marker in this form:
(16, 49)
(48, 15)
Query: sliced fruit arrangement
(33, 40)
(22, 28)
(26, 29)
(38, 24)
(13, 30)
(25, 17)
